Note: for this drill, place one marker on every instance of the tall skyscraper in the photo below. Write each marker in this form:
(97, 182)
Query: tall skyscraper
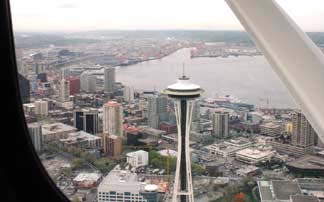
(74, 85)
(156, 109)
(109, 79)
(152, 111)
(220, 124)
(303, 133)
(20, 65)
(196, 111)
(86, 120)
(162, 108)
(88, 82)
(35, 132)
(41, 107)
(112, 145)
(184, 93)
(64, 91)
(113, 118)
(128, 94)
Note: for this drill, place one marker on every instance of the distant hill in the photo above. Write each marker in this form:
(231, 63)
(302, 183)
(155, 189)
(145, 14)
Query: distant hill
(33, 40)
(41, 40)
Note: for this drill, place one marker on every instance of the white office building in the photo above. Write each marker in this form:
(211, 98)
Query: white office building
(35, 132)
(56, 131)
(128, 94)
(64, 90)
(88, 82)
(41, 107)
(229, 148)
(124, 186)
(82, 139)
(254, 155)
(137, 159)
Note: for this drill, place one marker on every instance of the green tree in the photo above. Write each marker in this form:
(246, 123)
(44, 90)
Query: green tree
(66, 171)
(76, 199)
(77, 163)
(197, 169)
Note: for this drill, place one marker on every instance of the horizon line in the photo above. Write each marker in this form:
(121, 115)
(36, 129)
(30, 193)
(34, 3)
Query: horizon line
(139, 30)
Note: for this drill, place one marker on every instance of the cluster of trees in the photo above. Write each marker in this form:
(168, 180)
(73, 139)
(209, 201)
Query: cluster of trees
(238, 193)
(82, 157)
(159, 161)
(104, 165)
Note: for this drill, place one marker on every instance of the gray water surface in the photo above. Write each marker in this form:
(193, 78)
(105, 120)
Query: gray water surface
(250, 79)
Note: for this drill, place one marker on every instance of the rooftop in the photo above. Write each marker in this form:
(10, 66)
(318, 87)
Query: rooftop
(284, 189)
(112, 104)
(48, 129)
(34, 125)
(79, 136)
(113, 137)
(87, 177)
(132, 154)
(308, 162)
(153, 131)
(265, 190)
(247, 169)
(238, 142)
(281, 190)
(222, 147)
(255, 153)
(121, 181)
(271, 125)
(301, 198)
(314, 184)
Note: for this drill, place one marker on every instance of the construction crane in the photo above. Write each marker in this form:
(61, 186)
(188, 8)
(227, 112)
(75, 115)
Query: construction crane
(168, 164)
(167, 168)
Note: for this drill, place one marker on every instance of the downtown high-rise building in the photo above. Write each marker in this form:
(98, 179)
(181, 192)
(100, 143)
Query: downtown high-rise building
(196, 111)
(64, 90)
(88, 82)
(112, 145)
(220, 124)
(303, 133)
(74, 83)
(128, 94)
(35, 132)
(87, 120)
(157, 110)
(113, 118)
(109, 79)
(152, 114)
(41, 107)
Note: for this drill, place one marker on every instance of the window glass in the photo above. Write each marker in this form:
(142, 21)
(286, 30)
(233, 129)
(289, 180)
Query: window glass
(92, 78)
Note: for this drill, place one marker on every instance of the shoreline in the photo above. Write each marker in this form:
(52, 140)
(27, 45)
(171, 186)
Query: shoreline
(149, 59)
(191, 57)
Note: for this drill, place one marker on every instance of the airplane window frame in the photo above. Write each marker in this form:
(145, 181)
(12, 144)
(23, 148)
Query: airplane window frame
(23, 176)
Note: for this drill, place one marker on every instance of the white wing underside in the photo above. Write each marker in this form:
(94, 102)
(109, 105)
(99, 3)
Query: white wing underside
(291, 53)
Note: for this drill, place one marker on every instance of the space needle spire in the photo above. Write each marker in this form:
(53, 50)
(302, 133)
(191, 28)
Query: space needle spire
(184, 93)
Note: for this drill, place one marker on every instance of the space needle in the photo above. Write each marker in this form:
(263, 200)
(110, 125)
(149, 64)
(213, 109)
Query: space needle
(184, 93)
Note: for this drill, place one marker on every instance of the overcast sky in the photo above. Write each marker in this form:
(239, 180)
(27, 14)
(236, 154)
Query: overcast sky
(77, 15)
